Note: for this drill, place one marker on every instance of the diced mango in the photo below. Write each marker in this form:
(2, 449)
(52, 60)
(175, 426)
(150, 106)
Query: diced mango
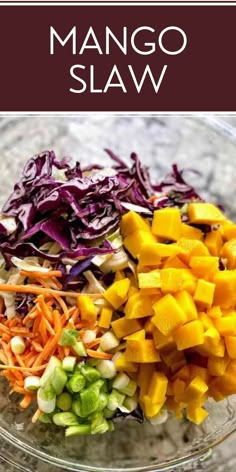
(198, 371)
(139, 335)
(217, 365)
(158, 386)
(131, 222)
(224, 385)
(230, 343)
(117, 293)
(166, 250)
(196, 388)
(134, 241)
(144, 375)
(150, 279)
(204, 266)
(105, 317)
(183, 373)
(206, 320)
(172, 358)
(168, 315)
(179, 386)
(160, 340)
(149, 326)
(204, 293)
(122, 365)
(138, 306)
(149, 254)
(211, 347)
(141, 351)
(174, 263)
(228, 231)
(196, 414)
(225, 288)
(229, 252)
(189, 335)
(213, 241)
(87, 308)
(187, 304)
(204, 213)
(191, 247)
(214, 312)
(175, 280)
(151, 409)
(167, 224)
(189, 232)
(123, 327)
(226, 325)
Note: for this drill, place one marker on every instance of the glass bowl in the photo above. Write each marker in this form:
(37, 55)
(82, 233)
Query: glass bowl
(206, 144)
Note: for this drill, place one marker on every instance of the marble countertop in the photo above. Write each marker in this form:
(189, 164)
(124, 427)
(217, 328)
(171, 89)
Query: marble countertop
(208, 145)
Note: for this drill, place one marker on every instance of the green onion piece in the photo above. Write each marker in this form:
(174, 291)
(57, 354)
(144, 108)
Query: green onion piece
(58, 380)
(103, 401)
(115, 400)
(44, 418)
(109, 341)
(69, 363)
(111, 425)
(17, 345)
(64, 401)
(76, 383)
(78, 430)
(69, 337)
(46, 400)
(64, 419)
(89, 400)
(32, 383)
(90, 373)
(77, 408)
(130, 389)
(52, 364)
(79, 349)
(130, 403)
(107, 369)
(120, 381)
(99, 424)
(108, 413)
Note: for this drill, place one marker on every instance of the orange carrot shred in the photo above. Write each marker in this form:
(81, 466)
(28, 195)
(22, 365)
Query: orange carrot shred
(26, 401)
(98, 355)
(36, 415)
(94, 343)
(35, 273)
(30, 288)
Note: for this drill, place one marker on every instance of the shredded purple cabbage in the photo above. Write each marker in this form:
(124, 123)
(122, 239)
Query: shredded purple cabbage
(83, 209)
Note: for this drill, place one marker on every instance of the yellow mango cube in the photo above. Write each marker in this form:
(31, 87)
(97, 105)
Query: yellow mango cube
(228, 230)
(131, 222)
(189, 232)
(122, 365)
(217, 365)
(230, 343)
(138, 306)
(214, 312)
(226, 325)
(189, 335)
(191, 247)
(151, 409)
(123, 327)
(105, 317)
(175, 280)
(149, 326)
(141, 351)
(195, 390)
(117, 293)
(87, 308)
(149, 254)
(139, 335)
(158, 386)
(229, 252)
(204, 266)
(183, 373)
(168, 315)
(174, 263)
(196, 414)
(213, 242)
(198, 371)
(204, 213)
(225, 288)
(167, 224)
(187, 304)
(144, 376)
(150, 279)
(179, 386)
(133, 242)
(204, 293)
(206, 320)
(172, 358)
(161, 340)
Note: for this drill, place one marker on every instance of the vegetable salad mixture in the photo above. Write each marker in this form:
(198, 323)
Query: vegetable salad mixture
(117, 296)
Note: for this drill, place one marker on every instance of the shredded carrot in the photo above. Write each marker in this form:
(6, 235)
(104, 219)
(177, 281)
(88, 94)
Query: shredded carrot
(8, 353)
(1, 305)
(62, 305)
(42, 330)
(4, 329)
(35, 273)
(49, 327)
(57, 283)
(26, 368)
(26, 401)
(44, 308)
(20, 360)
(30, 288)
(66, 351)
(56, 320)
(3, 358)
(94, 343)
(61, 352)
(98, 355)
(37, 346)
(6, 338)
(20, 331)
(36, 415)
(48, 349)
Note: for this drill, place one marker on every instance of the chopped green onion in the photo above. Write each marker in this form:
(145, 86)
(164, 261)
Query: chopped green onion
(69, 337)
(108, 413)
(17, 345)
(106, 368)
(115, 400)
(130, 403)
(99, 424)
(79, 349)
(58, 380)
(103, 401)
(78, 430)
(111, 426)
(52, 364)
(77, 408)
(76, 383)
(67, 418)
(90, 373)
(109, 341)
(89, 400)
(130, 389)
(44, 418)
(46, 400)
(120, 381)
(32, 383)
(159, 418)
(64, 401)
(89, 336)
(69, 363)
